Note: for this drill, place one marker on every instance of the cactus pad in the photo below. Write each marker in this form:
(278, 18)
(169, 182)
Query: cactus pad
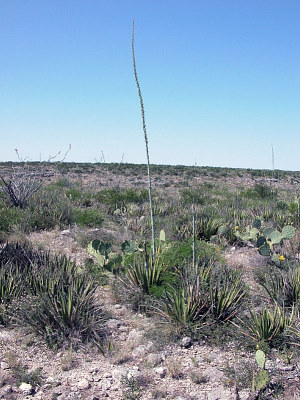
(261, 379)
(129, 246)
(260, 358)
(275, 237)
(222, 230)
(267, 232)
(265, 250)
(257, 223)
(254, 232)
(260, 241)
(288, 232)
(162, 236)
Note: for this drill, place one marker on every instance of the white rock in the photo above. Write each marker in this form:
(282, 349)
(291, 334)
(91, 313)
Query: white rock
(83, 384)
(4, 365)
(214, 375)
(186, 342)
(105, 384)
(6, 389)
(161, 371)
(113, 323)
(154, 359)
(139, 351)
(135, 335)
(26, 388)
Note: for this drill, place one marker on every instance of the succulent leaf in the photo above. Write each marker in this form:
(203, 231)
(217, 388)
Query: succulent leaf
(129, 246)
(261, 240)
(254, 232)
(260, 358)
(288, 232)
(162, 236)
(267, 232)
(275, 237)
(222, 230)
(257, 223)
(265, 250)
(261, 379)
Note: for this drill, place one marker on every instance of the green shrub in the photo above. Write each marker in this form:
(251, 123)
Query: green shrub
(10, 217)
(178, 254)
(192, 196)
(49, 209)
(90, 217)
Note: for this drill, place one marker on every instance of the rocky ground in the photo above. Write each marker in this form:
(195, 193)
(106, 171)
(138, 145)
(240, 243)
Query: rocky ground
(140, 361)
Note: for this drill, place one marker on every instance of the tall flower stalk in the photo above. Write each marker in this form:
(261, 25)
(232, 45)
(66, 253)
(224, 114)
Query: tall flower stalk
(146, 141)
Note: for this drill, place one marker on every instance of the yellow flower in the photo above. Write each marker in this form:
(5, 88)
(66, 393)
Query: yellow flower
(236, 227)
(217, 250)
(281, 258)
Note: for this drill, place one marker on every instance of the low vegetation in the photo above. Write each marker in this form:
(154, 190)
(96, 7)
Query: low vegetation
(198, 294)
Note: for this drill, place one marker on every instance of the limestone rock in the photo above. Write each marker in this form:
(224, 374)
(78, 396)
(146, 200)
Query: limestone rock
(186, 342)
(161, 371)
(113, 323)
(213, 375)
(154, 359)
(26, 388)
(4, 365)
(83, 384)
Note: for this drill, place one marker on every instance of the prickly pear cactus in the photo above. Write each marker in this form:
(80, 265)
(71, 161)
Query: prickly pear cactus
(267, 232)
(275, 237)
(260, 358)
(162, 236)
(222, 230)
(254, 232)
(265, 250)
(261, 379)
(261, 240)
(129, 247)
(100, 250)
(288, 232)
(257, 223)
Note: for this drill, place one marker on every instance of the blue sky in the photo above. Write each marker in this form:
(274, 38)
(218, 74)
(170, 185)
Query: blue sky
(220, 81)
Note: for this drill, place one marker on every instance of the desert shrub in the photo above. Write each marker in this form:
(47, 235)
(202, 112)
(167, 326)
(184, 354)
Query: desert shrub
(10, 217)
(260, 191)
(192, 196)
(11, 287)
(118, 198)
(282, 205)
(87, 217)
(146, 274)
(178, 254)
(79, 197)
(185, 304)
(61, 305)
(22, 256)
(49, 209)
(64, 312)
(46, 209)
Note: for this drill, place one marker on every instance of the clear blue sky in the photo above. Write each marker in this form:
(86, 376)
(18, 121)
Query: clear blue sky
(220, 81)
